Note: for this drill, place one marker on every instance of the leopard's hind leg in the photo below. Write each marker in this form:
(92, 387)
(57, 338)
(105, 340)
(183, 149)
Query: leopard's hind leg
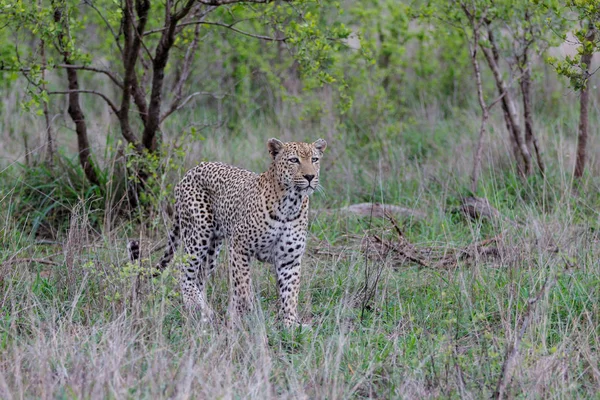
(201, 244)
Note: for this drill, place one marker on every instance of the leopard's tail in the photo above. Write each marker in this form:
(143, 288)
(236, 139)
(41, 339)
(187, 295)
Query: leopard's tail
(174, 240)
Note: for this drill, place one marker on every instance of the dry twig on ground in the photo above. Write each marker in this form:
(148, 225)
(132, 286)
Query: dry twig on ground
(512, 349)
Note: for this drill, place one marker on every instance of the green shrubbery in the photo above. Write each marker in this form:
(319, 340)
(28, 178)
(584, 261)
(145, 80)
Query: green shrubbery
(391, 88)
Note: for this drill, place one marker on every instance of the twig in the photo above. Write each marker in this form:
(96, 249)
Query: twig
(228, 26)
(224, 2)
(108, 101)
(391, 218)
(513, 348)
(403, 253)
(187, 62)
(137, 30)
(366, 296)
(253, 35)
(178, 107)
(110, 74)
(29, 261)
(115, 36)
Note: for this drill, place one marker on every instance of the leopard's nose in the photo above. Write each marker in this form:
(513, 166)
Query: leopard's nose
(309, 177)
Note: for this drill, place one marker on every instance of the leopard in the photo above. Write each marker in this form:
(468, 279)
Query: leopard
(260, 216)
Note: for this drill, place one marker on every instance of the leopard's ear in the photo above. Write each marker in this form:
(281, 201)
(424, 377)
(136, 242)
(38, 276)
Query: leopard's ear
(320, 145)
(274, 146)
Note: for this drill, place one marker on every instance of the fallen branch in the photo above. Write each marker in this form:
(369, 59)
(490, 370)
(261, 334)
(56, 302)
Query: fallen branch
(29, 261)
(403, 252)
(513, 348)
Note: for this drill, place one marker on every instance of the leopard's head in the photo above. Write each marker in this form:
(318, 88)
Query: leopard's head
(297, 164)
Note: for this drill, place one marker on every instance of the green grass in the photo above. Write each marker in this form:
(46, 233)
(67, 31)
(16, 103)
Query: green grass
(78, 321)
(79, 328)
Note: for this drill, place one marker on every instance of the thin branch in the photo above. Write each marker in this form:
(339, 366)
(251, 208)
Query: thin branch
(513, 348)
(224, 2)
(473, 48)
(138, 34)
(187, 62)
(159, 63)
(403, 253)
(253, 35)
(29, 261)
(106, 99)
(183, 12)
(501, 96)
(115, 36)
(108, 73)
(130, 56)
(199, 19)
(228, 26)
(139, 98)
(178, 107)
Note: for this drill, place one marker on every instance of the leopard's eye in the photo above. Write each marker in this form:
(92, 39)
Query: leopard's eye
(294, 160)
(315, 159)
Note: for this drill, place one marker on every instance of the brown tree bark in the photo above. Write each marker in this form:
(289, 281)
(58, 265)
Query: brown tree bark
(522, 153)
(524, 66)
(586, 59)
(530, 138)
(49, 132)
(76, 114)
(158, 72)
(484, 115)
(75, 111)
(133, 41)
(476, 24)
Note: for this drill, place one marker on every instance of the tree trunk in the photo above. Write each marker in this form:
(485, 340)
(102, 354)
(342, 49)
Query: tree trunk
(80, 127)
(131, 49)
(484, 116)
(586, 59)
(158, 76)
(158, 72)
(49, 133)
(522, 154)
(530, 138)
(74, 110)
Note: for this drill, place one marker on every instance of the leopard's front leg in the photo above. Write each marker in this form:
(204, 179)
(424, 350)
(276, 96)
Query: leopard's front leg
(241, 284)
(288, 282)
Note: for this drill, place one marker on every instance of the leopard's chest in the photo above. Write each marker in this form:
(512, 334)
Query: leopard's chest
(280, 237)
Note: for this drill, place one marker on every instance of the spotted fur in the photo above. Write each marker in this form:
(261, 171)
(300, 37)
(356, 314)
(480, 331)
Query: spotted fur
(262, 216)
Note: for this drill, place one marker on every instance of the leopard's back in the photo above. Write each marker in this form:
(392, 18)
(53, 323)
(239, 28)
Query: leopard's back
(228, 192)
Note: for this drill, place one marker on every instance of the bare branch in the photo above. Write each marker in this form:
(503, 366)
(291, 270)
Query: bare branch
(501, 96)
(106, 99)
(28, 261)
(177, 107)
(183, 12)
(253, 35)
(108, 73)
(228, 26)
(224, 2)
(115, 36)
(138, 32)
(513, 347)
(130, 57)
(187, 62)
(139, 98)
(158, 72)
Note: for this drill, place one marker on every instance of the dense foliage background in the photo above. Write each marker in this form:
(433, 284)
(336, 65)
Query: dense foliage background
(477, 119)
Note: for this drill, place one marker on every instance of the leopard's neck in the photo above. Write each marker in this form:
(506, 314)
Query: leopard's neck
(283, 202)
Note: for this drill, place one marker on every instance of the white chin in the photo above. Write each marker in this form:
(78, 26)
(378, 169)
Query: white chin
(305, 189)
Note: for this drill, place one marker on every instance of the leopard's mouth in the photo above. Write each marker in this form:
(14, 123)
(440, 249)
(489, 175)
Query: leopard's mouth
(306, 188)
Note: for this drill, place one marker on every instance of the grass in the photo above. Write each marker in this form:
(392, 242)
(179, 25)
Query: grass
(78, 321)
